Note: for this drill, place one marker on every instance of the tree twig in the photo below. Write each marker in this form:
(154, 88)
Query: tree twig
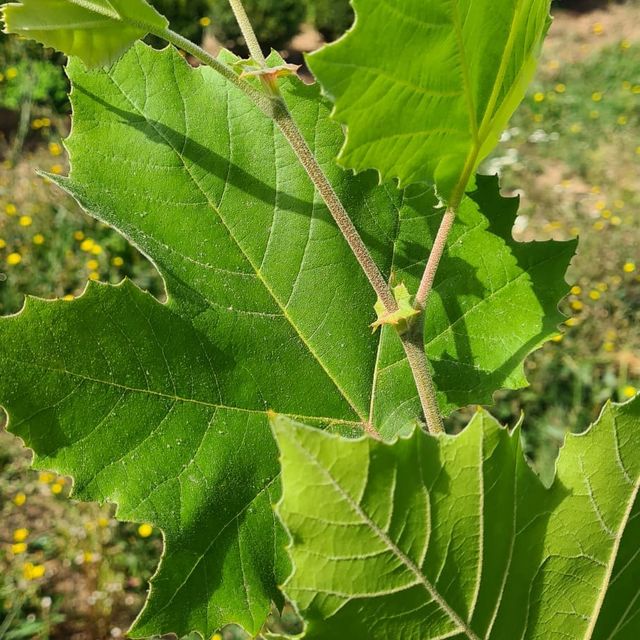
(248, 33)
(437, 251)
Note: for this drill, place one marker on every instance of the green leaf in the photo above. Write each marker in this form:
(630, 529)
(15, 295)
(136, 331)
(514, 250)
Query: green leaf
(97, 31)
(428, 101)
(456, 537)
(267, 309)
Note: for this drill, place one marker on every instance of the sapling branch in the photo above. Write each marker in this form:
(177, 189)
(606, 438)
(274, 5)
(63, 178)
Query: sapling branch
(248, 33)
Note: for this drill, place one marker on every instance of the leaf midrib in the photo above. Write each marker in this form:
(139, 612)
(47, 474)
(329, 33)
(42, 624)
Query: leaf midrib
(385, 539)
(175, 398)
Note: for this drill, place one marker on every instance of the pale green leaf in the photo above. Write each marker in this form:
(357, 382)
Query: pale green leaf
(267, 309)
(402, 318)
(456, 537)
(97, 31)
(427, 99)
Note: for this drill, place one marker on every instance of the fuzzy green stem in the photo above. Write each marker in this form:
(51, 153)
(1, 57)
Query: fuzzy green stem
(429, 275)
(248, 33)
(414, 350)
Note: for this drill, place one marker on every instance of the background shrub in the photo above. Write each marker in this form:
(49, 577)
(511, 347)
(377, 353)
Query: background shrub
(275, 22)
(184, 15)
(330, 17)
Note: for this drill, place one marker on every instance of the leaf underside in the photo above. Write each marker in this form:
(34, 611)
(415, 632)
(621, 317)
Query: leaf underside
(456, 537)
(429, 100)
(163, 408)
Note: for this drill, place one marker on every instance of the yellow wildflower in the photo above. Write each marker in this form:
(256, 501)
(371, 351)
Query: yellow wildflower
(622, 120)
(572, 322)
(629, 267)
(96, 249)
(78, 235)
(216, 636)
(3, 243)
(609, 346)
(20, 535)
(145, 530)
(46, 477)
(94, 275)
(68, 298)
(14, 259)
(55, 149)
(602, 286)
(18, 548)
(12, 73)
(103, 522)
(11, 209)
(596, 96)
(117, 261)
(606, 214)
(616, 221)
(19, 499)
(25, 221)
(38, 239)
(599, 225)
(56, 488)
(635, 89)
(538, 97)
(625, 44)
(33, 571)
(576, 290)
(205, 21)
(595, 295)
(577, 305)
(87, 244)
(57, 169)
(558, 338)
(92, 265)
(88, 557)
(598, 28)
(561, 87)
(629, 391)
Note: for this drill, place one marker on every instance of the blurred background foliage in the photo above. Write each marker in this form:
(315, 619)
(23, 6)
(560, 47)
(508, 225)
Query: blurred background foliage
(572, 152)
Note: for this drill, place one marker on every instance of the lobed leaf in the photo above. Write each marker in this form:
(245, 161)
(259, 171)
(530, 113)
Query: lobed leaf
(456, 537)
(97, 31)
(267, 309)
(428, 101)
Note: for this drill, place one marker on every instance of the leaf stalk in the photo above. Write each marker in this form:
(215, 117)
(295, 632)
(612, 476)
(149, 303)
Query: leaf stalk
(247, 31)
